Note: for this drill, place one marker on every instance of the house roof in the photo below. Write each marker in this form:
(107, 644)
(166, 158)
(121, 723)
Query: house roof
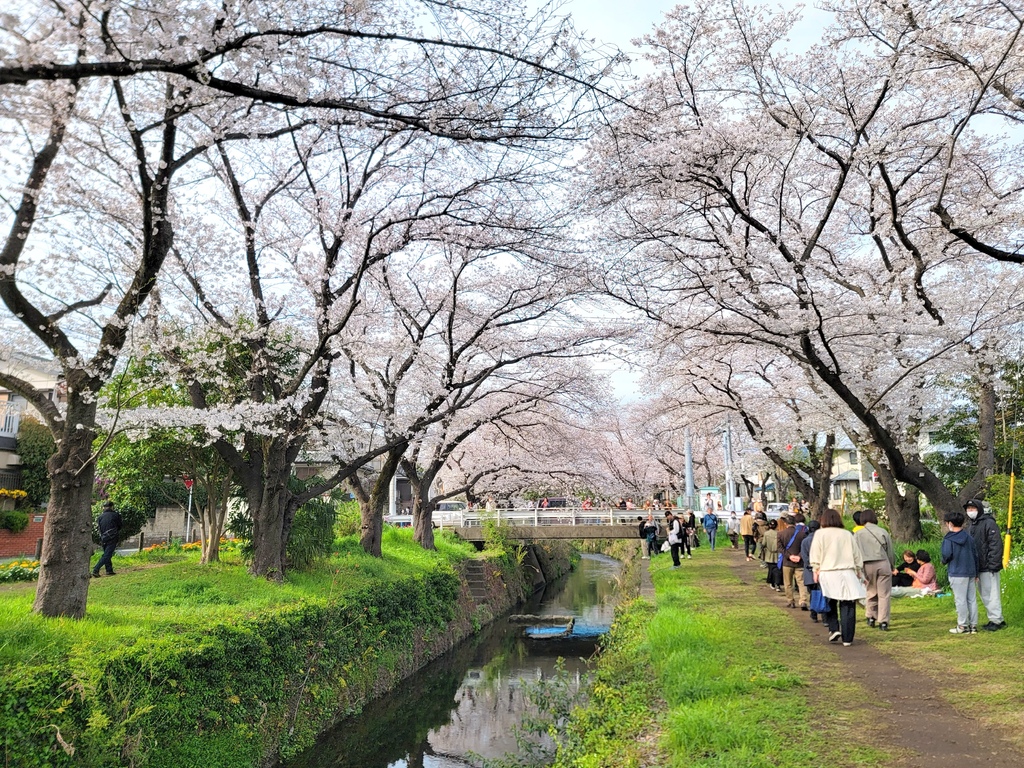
(848, 475)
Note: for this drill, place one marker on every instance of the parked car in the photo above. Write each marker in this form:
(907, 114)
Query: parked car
(776, 509)
(451, 506)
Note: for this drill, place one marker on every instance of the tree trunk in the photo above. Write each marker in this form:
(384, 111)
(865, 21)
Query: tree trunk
(63, 585)
(268, 507)
(905, 519)
(422, 504)
(372, 511)
(423, 520)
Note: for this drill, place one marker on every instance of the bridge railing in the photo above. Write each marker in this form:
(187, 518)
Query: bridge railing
(527, 517)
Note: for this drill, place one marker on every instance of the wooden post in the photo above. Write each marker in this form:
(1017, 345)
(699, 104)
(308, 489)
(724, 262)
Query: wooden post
(142, 540)
(39, 549)
(170, 535)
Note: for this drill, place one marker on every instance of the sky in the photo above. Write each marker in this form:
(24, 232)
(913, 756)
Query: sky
(620, 23)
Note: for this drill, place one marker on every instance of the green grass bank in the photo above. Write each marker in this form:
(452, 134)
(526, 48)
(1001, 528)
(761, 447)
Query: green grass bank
(715, 674)
(178, 664)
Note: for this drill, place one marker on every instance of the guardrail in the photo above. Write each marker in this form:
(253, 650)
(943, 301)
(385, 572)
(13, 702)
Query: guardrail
(531, 517)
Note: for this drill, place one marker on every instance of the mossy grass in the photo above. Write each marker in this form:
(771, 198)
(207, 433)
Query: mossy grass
(716, 676)
(159, 592)
(181, 664)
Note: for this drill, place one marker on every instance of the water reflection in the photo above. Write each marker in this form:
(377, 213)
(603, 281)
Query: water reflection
(472, 699)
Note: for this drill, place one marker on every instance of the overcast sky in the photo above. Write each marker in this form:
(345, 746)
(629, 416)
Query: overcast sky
(618, 22)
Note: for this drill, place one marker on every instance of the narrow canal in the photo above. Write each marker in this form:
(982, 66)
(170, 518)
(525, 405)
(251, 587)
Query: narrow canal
(470, 701)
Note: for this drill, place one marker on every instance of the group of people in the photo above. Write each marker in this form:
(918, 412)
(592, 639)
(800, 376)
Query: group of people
(826, 570)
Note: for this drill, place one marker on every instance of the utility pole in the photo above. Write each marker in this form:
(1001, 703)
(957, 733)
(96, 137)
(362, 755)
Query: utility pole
(688, 453)
(727, 446)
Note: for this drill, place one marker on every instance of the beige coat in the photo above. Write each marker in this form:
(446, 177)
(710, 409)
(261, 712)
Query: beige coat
(833, 549)
(747, 525)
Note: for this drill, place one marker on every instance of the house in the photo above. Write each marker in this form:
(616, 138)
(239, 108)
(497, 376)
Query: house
(851, 471)
(46, 376)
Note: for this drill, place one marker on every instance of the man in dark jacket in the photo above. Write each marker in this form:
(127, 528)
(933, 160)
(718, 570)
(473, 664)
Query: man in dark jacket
(793, 563)
(989, 543)
(109, 524)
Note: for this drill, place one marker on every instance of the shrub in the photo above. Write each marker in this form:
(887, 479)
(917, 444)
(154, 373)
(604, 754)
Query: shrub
(14, 520)
(311, 537)
(35, 447)
(312, 534)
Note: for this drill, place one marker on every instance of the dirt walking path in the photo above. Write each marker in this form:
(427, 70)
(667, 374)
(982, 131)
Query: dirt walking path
(923, 726)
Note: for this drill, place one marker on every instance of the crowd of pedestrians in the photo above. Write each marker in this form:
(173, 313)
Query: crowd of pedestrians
(826, 570)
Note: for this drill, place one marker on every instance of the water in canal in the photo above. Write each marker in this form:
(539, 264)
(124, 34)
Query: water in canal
(471, 700)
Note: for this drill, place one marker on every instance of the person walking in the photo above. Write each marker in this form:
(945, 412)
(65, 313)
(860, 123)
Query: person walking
(793, 565)
(747, 532)
(710, 523)
(109, 525)
(879, 556)
(689, 522)
(961, 558)
(651, 534)
(770, 554)
(813, 590)
(989, 543)
(838, 570)
(675, 536)
(732, 529)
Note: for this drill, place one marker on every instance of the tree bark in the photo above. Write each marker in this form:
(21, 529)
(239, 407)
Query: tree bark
(63, 586)
(268, 505)
(372, 510)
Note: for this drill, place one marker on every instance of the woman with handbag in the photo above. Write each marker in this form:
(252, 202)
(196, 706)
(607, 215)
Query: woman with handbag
(839, 572)
(879, 557)
(817, 603)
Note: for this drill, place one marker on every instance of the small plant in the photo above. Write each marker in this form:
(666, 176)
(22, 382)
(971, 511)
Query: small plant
(19, 570)
(13, 520)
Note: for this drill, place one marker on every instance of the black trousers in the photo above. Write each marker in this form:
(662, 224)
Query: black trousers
(675, 553)
(749, 546)
(106, 558)
(684, 545)
(842, 617)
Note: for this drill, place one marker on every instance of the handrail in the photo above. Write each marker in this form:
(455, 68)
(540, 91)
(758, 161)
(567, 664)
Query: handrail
(529, 516)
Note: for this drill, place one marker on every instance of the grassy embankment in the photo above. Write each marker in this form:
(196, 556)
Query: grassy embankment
(715, 675)
(188, 665)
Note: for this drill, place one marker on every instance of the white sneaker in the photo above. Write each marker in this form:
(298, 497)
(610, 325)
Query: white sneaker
(645, 557)
(690, 557)
(959, 630)
(847, 645)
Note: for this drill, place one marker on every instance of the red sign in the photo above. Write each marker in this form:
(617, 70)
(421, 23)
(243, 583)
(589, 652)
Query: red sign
(188, 481)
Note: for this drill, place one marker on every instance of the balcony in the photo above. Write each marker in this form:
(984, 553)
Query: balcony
(10, 418)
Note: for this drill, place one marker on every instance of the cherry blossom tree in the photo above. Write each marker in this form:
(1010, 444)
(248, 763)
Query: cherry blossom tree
(101, 100)
(770, 200)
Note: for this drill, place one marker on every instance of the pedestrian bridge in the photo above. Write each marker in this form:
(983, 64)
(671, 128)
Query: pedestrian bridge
(540, 524)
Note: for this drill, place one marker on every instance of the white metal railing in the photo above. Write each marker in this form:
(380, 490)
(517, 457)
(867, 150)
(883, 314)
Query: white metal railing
(531, 516)
(10, 418)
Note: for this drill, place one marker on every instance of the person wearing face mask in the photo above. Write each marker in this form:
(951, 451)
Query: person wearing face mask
(989, 543)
